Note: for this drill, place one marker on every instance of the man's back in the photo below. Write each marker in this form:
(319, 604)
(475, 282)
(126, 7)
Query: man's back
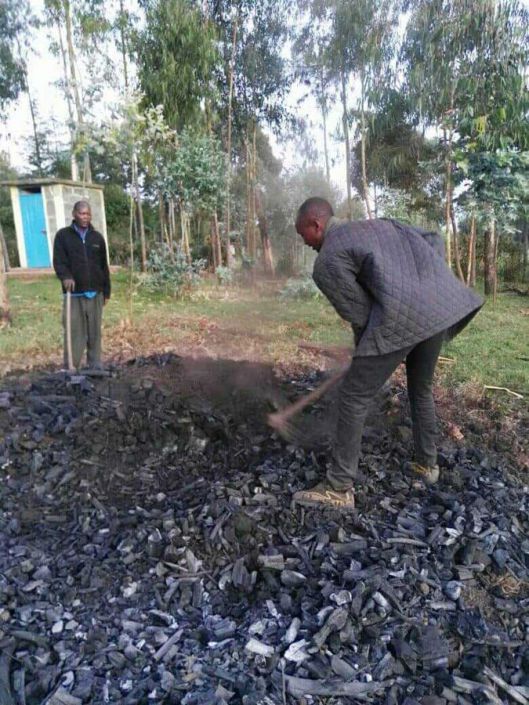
(391, 282)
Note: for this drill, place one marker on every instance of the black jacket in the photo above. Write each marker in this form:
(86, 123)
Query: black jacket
(85, 263)
(391, 282)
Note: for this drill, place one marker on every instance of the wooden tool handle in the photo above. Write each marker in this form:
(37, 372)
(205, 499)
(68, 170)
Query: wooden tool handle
(279, 417)
(69, 356)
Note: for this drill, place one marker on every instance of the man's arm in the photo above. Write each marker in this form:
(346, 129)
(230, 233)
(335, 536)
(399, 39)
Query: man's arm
(106, 270)
(337, 280)
(61, 263)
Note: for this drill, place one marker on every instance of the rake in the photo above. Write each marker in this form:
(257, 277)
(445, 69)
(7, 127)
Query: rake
(281, 421)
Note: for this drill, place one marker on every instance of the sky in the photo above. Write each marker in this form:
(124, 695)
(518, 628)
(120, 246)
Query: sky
(45, 71)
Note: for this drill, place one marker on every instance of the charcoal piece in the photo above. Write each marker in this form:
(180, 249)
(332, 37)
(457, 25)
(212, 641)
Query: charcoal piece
(292, 579)
(273, 562)
(292, 631)
(299, 687)
(63, 697)
(452, 590)
(433, 648)
(6, 696)
(240, 576)
(342, 668)
(296, 652)
(500, 557)
(334, 622)
(318, 667)
(255, 646)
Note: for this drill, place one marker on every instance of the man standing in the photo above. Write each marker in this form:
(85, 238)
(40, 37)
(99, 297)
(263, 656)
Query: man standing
(80, 262)
(391, 282)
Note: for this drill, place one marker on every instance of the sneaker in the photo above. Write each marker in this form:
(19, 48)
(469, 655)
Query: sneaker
(428, 475)
(323, 495)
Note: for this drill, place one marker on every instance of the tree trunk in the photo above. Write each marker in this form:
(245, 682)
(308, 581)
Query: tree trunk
(137, 198)
(229, 259)
(123, 46)
(345, 121)
(74, 167)
(250, 196)
(38, 152)
(184, 234)
(323, 106)
(5, 317)
(365, 184)
(457, 250)
(448, 199)
(4, 252)
(490, 261)
(525, 254)
(87, 172)
(471, 265)
(218, 243)
(268, 260)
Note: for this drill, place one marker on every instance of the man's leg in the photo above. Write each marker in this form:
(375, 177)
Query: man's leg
(94, 319)
(78, 331)
(420, 367)
(363, 380)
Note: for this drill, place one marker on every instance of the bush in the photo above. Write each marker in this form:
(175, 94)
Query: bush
(224, 275)
(169, 271)
(304, 288)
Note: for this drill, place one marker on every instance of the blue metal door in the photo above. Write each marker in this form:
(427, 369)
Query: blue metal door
(34, 225)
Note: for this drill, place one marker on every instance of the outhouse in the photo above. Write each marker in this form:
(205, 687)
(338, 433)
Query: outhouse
(43, 206)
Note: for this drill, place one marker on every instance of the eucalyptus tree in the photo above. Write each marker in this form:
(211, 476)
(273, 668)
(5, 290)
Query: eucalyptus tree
(315, 74)
(177, 56)
(11, 85)
(253, 82)
(465, 65)
(12, 26)
(358, 39)
(79, 28)
(399, 157)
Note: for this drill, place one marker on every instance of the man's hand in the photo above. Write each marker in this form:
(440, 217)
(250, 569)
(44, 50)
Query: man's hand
(69, 285)
(105, 301)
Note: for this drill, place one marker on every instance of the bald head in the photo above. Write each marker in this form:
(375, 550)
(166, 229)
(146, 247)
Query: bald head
(311, 220)
(315, 207)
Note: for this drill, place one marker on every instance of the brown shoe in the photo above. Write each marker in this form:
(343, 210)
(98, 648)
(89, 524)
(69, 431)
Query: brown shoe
(428, 475)
(323, 495)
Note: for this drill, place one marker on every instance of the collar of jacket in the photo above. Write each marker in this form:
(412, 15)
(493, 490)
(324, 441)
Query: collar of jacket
(88, 229)
(332, 224)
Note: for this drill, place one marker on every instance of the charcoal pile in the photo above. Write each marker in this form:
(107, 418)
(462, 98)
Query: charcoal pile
(150, 554)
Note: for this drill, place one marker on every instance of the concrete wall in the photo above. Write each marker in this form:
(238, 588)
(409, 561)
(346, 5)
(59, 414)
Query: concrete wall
(58, 201)
(94, 196)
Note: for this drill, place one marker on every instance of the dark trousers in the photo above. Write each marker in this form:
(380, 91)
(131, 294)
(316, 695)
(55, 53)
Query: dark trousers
(363, 380)
(87, 316)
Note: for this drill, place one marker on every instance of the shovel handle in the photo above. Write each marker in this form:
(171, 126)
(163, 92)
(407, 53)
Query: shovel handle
(69, 355)
(280, 417)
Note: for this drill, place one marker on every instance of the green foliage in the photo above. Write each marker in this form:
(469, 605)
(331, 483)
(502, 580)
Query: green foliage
(169, 271)
(194, 172)
(177, 56)
(224, 275)
(301, 289)
(13, 19)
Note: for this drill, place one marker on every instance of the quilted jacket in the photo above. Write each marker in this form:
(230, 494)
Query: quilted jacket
(391, 282)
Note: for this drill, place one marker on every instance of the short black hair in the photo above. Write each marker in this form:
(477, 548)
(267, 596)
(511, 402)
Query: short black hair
(315, 206)
(81, 204)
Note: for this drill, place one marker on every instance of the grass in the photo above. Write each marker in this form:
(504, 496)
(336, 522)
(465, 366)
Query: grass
(254, 324)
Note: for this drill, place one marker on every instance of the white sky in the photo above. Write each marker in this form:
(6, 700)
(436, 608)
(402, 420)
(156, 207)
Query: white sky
(45, 72)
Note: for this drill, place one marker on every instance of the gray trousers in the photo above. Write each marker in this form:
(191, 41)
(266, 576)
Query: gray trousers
(363, 380)
(87, 315)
